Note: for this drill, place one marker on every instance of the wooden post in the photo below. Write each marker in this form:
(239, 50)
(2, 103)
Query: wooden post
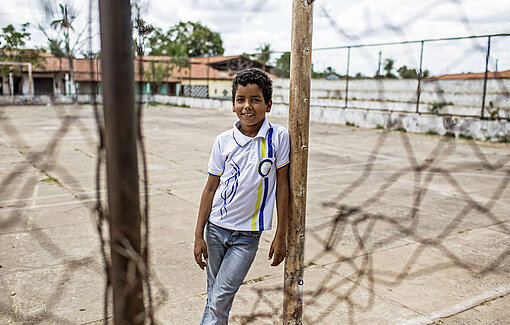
(299, 112)
(121, 160)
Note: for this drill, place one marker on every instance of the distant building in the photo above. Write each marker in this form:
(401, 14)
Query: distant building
(479, 75)
(197, 77)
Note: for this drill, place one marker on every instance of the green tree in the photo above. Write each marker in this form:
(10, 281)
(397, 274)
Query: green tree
(329, 73)
(159, 43)
(185, 39)
(388, 67)
(155, 74)
(156, 71)
(265, 53)
(406, 73)
(64, 23)
(282, 65)
(64, 38)
(55, 47)
(12, 47)
(14, 39)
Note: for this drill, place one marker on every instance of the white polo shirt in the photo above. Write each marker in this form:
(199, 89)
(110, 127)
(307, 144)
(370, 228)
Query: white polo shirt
(244, 199)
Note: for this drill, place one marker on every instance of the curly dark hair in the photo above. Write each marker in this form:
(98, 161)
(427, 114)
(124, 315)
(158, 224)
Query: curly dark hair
(253, 76)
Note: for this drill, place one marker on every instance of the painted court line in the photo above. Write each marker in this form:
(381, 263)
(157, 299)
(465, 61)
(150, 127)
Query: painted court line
(41, 206)
(503, 176)
(461, 306)
(94, 192)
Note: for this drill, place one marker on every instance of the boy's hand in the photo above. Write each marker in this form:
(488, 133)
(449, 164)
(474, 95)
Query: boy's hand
(199, 250)
(278, 249)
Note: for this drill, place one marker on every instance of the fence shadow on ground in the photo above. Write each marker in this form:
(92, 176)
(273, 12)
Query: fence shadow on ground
(359, 229)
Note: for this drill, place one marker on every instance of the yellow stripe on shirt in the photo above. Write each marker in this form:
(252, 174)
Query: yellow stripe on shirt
(263, 151)
(257, 207)
(254, 216)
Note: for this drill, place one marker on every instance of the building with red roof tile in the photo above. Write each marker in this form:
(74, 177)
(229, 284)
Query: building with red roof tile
(478, 75)
(197, 76)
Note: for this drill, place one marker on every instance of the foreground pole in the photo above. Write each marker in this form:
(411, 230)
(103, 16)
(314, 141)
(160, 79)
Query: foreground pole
(299, 112)
(121, 159)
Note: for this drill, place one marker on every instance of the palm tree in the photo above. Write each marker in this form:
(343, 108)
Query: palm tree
(388, 67)
(265, 53)
(65, 23)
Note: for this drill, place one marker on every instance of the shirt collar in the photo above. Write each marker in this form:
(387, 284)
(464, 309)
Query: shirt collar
(242, 139)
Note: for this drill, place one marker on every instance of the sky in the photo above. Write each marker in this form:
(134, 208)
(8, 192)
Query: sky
(246, 25)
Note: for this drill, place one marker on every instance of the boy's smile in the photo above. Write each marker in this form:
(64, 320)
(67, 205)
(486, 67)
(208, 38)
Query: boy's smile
(250, 108)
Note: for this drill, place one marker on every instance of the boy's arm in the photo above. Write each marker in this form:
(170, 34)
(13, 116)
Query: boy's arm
(200, 248)
(279, 244)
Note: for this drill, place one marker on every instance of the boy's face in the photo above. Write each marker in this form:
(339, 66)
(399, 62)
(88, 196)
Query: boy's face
(250, 107)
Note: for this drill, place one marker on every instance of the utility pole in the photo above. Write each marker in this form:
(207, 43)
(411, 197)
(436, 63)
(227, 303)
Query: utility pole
(378, 73)
(121, 160)
(299, 116)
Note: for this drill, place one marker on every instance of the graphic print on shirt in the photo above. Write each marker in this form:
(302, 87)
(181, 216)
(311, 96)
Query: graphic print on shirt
(258, 214)
(230, 189)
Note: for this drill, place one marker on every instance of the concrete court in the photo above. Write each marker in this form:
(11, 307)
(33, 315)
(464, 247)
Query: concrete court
(401, 228)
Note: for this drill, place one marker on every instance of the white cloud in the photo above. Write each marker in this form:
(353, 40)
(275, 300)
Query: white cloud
(244, 25)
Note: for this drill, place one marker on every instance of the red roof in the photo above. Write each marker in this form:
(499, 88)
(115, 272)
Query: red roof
(479, 75)
(168, 68)
(179, 70)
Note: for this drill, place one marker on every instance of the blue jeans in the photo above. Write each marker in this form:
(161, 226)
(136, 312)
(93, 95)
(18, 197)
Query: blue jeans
(230, 255)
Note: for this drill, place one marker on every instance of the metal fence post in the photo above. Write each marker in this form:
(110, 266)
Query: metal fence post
(378, 73)
(420, 74)
(485, 76)
(299, 115)
(189, 78)
(208, 63)
(121, 160)
(347, 76)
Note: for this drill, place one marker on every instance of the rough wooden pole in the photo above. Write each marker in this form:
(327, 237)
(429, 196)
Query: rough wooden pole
(121, 159)
(299, 112)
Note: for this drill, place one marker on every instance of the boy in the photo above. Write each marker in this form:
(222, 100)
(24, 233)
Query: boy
(248, 168)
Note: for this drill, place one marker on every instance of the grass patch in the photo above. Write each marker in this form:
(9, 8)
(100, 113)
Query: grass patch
(83, 152)
(349, 124)
(431, 132)
(259, 279)
(400, 129)
(463, 136)
(504, 139)
(437, 107)
(449, 135)
(379, 127)
(50, 180)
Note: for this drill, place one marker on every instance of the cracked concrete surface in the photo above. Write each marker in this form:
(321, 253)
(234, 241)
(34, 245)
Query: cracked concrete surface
(401, 228)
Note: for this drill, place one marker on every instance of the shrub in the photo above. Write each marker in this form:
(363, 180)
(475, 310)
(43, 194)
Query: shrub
(431, 132)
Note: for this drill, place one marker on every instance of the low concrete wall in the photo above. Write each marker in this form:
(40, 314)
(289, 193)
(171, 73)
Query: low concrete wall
(412, 122)
(456, 97)
(48, 100)
(488, 130)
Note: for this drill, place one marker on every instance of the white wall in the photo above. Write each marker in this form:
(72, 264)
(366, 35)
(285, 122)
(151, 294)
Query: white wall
(382, 112)
(412, 122)
(463, 96)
